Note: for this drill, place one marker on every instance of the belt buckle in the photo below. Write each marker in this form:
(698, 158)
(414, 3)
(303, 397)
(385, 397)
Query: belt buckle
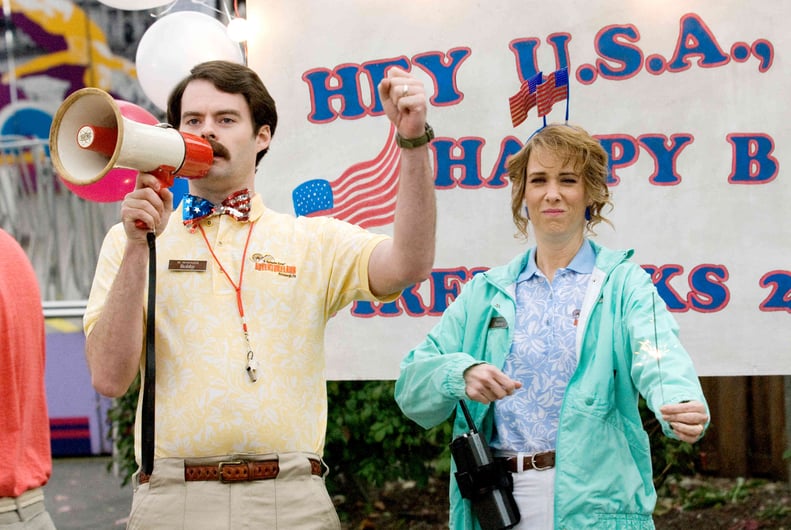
(220, 467)
(535, 466)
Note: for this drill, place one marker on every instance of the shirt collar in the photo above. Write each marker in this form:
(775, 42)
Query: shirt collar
(583, 262)
(256, 206)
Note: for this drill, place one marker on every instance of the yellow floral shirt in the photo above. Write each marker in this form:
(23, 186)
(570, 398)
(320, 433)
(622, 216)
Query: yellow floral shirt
(298, 272)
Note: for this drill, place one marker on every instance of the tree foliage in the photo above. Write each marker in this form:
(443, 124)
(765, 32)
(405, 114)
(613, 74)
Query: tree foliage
(370, 442)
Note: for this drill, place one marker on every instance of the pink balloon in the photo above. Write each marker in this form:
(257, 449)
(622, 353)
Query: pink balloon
(114, 186)
(135, 112)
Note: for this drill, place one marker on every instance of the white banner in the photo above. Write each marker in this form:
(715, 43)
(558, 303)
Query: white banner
(689, 98)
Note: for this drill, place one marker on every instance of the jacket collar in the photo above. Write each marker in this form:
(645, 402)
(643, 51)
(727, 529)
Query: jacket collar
(607, 260)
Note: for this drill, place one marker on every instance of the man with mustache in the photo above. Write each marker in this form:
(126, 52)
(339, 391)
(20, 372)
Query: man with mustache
(242, 301)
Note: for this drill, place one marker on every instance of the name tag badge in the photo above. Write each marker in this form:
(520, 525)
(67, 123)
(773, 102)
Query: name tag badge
(498, 322)
(187, 265)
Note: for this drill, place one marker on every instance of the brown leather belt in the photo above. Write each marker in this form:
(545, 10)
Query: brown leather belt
(538, 461)
(236, 471)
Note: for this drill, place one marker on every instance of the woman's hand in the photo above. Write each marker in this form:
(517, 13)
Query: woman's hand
(486, 383)
(688, 420)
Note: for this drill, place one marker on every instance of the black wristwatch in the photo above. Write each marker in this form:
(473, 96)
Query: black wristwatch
(411, 143)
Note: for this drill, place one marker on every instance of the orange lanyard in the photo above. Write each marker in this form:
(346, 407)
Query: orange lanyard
(252, 364)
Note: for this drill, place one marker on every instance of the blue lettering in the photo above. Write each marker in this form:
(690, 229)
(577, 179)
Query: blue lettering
(464, 170)
(764, 51)
(525, 52)
(708, 293)
(560, 43)
(376, 71)
(621, 151)
(499, 175)
(780, 297)
(321, 94)
(696, 40)
(611, 46)
(410, 301)
(442, 69)
(664, 152)
(753, 162)
(446, 285)
(661, 277)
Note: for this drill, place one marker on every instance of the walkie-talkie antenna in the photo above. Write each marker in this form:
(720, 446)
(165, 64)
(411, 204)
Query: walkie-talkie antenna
(467, 416)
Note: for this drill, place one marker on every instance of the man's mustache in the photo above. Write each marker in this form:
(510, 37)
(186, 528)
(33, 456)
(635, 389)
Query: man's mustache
(218, 149)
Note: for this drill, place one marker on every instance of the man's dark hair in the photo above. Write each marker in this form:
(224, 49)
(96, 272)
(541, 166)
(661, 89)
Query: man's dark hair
(232, 78)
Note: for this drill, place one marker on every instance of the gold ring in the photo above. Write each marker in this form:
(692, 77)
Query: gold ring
(404, 90)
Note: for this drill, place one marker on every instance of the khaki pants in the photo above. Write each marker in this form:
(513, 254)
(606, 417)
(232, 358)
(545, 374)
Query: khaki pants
(296, 499)
(26, 512)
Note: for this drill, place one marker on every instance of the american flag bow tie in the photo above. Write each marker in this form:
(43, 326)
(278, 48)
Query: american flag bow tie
(237, 205)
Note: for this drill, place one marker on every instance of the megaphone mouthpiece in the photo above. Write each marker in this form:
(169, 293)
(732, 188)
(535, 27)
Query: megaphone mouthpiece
(98, 139)
(198, 156)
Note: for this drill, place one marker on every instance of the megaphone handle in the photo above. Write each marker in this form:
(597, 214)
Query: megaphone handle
(165, 175)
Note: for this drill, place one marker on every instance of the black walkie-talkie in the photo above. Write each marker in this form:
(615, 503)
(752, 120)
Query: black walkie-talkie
(483, 480)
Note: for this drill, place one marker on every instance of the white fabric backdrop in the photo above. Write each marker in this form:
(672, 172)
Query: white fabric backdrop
(735, 82)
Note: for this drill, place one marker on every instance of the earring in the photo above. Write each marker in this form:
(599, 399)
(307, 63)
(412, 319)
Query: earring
(527, 213)
(588, 213)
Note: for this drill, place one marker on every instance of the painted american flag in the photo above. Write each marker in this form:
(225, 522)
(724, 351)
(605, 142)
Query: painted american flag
(364, 194)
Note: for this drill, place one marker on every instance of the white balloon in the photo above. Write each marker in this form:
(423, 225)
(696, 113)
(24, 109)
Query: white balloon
(135, 5)
(175, 43)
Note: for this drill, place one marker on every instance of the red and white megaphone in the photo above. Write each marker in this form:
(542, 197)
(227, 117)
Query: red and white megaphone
(90, 136)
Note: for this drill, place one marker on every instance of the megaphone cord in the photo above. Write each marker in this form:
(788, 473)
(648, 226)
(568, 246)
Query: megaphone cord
(149, 383)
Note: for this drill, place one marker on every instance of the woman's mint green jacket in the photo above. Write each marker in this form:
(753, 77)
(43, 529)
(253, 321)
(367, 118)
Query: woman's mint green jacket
(603, 470)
